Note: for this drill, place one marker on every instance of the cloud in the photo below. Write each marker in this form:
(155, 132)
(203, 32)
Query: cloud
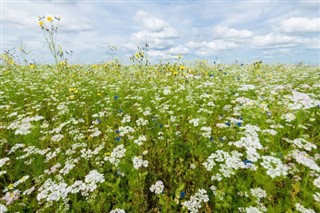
(182, 50)
(150, 22)
(157, 33)
(205, 48)
(226, 32)
(299, 25)
(275, 40)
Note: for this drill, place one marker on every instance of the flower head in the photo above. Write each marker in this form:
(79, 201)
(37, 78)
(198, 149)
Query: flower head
(49, 18)
(41, 24)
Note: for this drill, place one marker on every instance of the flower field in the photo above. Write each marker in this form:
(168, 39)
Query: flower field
(160, 138)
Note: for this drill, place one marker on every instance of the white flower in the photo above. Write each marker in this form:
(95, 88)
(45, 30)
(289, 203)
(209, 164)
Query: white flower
(274, 166)
(157, 188)
(194, 204)
(95, 177)
(117, 211)
(258, 193)
(194, 121)
(316, 197)
(139, 162)
(3, 161)
(302, 158)
(288, 117)
(252, 210)
(302, 209)
(166, 91)
(3, 208)
(116, 154)
(57, 138)
(316, 182)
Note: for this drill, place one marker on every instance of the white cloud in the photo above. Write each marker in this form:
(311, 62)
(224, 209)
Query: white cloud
(179, 50)
(157, 54)
(150, 22)
(208, 48)
(226, 32)
(299, 25)
(157, 33)
(275, 40)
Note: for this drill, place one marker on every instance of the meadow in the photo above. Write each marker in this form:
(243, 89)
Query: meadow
(160, 138)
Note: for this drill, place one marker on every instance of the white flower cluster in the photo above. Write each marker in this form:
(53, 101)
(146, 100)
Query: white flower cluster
(157, 188)
(57, 137)
(142, 122)
(116, 154)
(316, 182)
(194, 204)
(126, 119)
(247, 87)
(274, 166)
(140, 140)
(139, 162)
(3, 208)
(302, 143)
(303, 209)
(117, 211)
(302, 101)
(125, 130)
(258, 193)
(302, 158)
(316, 196)
(252, 209)
(194, 121)
(23, 126)
(231, 162)
(3, 161)
(166, 91)
(206, 131)
(288, 117)
(51, 191)
(250, 142)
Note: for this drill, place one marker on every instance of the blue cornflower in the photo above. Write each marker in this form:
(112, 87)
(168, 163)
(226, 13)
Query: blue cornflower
(116, 97)
(211, 138)
(117, 131)
(247, 162)
(239, 124)
(117, 138)
(160, 125)
(98, 120)
(182, 194)
(228, 124)
(120, 111)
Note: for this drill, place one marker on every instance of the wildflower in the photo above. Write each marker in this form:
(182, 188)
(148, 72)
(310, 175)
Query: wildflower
(139, 162)
(117, 211)
(11, 196)
(49, 18)
(252, 210)
(157, 188)
(302, 209)
(95, 177)
(116, 154)
(3, 208)
(194, 204)
(274, 166)
(41, 24)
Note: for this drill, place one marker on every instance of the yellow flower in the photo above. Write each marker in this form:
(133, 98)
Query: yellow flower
(41, 23)
(32, 66)
(49, 18)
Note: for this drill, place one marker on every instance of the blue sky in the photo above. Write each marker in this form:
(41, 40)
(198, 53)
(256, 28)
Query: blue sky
(271, 31)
